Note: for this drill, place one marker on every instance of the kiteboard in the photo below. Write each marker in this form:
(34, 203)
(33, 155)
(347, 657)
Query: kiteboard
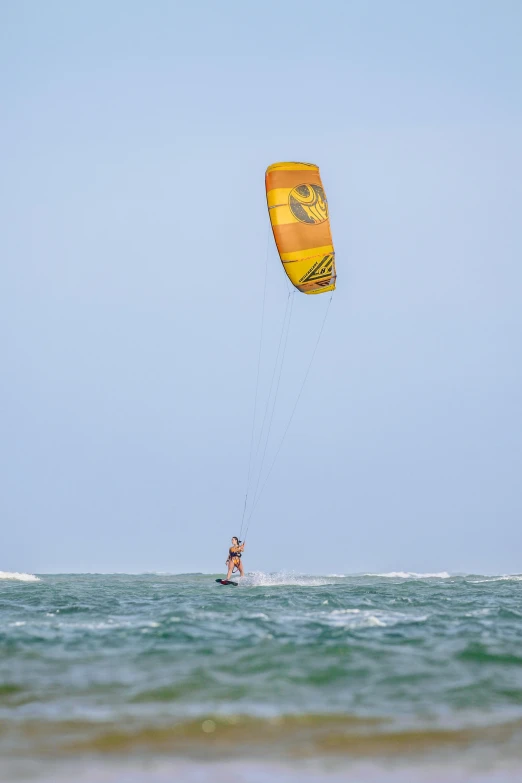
(226, 582)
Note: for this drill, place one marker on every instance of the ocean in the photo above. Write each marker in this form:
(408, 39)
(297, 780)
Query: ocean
(389, 678)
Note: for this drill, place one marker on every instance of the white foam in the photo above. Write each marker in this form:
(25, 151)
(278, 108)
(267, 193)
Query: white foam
(479, 613)
(260, 579)
(18, 577)
(412, 575)
(366, 618)
(505, 578)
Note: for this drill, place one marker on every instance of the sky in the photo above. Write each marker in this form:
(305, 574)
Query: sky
(134, 240)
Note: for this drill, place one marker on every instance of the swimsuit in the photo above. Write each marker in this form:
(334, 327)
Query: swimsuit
(234, 555)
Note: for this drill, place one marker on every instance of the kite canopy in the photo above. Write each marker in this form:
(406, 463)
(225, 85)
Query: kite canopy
(298, 212)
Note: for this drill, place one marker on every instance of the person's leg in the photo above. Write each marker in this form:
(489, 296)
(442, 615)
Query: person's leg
(230, 569)
(241, 572)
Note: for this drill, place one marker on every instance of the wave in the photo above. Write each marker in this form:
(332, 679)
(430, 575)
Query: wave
(18, 577)
(412, 575)
(368, 618)
(478, 652)
(505, 578)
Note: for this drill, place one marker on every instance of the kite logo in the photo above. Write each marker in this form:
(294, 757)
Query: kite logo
(308, 204)
(321, 269)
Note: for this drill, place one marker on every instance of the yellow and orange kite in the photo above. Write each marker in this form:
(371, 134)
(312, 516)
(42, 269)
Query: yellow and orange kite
(298, 212)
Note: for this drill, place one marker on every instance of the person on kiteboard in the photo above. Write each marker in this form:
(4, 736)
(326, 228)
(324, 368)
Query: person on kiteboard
(234, 557)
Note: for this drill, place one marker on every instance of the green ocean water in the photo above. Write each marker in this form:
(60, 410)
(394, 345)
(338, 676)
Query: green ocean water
(286, 669)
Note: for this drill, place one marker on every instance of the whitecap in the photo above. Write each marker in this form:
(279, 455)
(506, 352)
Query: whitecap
(505, 578)
(18, 577)
(412, 575)
(345, 611)
(364, 618)
(479, 613)
(101, 625)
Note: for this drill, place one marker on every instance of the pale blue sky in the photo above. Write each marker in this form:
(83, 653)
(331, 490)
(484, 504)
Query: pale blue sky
(130, 291)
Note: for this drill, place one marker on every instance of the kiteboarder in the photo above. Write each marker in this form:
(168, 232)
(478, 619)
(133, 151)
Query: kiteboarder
(233, 561)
